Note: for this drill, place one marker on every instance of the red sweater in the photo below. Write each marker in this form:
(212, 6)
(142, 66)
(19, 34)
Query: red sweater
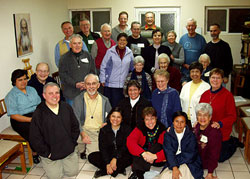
(224, 109)
(136, 141)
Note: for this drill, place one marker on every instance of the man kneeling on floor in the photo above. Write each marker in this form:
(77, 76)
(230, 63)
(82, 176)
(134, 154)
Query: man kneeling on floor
(54, 132)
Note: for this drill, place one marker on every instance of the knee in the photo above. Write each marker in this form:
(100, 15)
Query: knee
(72, 172)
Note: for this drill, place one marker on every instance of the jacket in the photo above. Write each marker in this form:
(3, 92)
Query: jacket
(79, 108)
(54, 134)
(114, 70)
(112, 146)
(189, 152)
(133, 116)
(137, 139)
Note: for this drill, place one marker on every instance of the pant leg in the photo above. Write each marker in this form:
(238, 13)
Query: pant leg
(53, 169)
(95, 158)
(70, 164)
(122, 164)
(228, 148)
(186, 174)
(117, 96)
(22, 128)
(93, 147)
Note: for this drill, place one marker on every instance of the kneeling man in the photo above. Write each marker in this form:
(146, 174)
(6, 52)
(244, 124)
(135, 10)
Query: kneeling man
(54, 132)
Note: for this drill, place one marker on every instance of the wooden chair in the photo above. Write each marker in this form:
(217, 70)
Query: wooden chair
(245, 128)
(10, 150)
(10, 134)
(28, 67)
(56, 77)
(238, 105)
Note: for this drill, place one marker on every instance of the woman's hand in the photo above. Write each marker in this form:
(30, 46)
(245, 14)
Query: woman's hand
(149, 157)
(215, 125)
(176, 173)
(113, 164)
(109, 169)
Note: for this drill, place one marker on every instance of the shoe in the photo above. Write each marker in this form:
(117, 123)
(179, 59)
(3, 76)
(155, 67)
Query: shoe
(124, 172)
(100, 173)
(133, 176)
(36, 159)
(83, 155)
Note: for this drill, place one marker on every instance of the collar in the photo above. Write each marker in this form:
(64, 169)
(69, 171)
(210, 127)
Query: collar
(149, 28)
(216, 91)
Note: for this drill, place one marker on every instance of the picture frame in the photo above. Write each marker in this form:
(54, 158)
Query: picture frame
(23, 35)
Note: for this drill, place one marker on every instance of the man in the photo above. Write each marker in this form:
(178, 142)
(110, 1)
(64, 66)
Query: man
(63, 45)
(54, 132)
(146, 31)
(101, 45)
(91, 109)
(24, 41)
(219, 52)
(122, 26)
(73, 67)
(88, 36)
(135, 41)
(194, 45)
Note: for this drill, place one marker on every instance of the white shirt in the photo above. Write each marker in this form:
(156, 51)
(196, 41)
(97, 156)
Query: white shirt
(179, 137)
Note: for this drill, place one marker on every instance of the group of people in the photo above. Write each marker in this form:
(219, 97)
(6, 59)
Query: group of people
(132, 99)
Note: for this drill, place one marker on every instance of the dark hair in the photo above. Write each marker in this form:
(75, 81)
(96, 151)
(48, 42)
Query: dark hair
(65, 22)
(135, 22)
(134, 83)
(17, 74)
(196, 65)
(181, 113)
(149, 110)
(215, 24)
(122, 35)
(123, 12)
(116, 109)
(216, 71)
(155, 31)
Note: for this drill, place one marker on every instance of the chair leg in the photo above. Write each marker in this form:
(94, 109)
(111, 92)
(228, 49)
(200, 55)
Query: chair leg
(30, 156)
(247, 146)
(240, 129)
(22, 159)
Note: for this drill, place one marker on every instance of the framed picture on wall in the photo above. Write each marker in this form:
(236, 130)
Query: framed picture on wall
(23, 35)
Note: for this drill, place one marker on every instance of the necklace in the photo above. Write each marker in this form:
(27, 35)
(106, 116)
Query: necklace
(92, 112)
(212, 98)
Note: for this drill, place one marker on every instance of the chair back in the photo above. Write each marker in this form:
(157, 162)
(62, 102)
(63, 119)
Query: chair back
(3, 109)
(56, 77)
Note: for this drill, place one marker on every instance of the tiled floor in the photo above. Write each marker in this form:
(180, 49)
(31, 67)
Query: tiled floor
(234, 168)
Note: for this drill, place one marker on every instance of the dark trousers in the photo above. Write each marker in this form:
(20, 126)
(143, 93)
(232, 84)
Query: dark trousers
(115, 95)
(228, 148)
(140, 166)
(96, 159)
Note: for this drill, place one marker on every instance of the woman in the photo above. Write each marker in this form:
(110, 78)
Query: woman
(208, 139)
(191, 92)
(115, 67)
(113, 157)
(21, 102)
(224, 112)
(165, 99)
(145, 144)
(141, 76)
(177, 50)
(175, 74)
(205, 61)
(181, 151)
(133, 105)
(151, 53)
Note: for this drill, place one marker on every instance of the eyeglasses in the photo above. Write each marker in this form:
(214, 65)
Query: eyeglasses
(42, 71)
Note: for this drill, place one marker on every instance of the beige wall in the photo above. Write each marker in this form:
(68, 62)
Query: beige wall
(46, 17)
(189, 8)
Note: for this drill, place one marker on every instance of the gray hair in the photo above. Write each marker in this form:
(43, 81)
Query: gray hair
(138, 59)
(91, 74)
(204, 107)
(204, 55)
(84, 19)
(50, 84)
(75, 36)
(172, 31)
(105, 24)
(135, 22)
(42, 63)
(165, 56)
(192, 20)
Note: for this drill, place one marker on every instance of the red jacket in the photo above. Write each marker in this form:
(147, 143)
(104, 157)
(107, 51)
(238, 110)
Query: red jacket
(136, 141)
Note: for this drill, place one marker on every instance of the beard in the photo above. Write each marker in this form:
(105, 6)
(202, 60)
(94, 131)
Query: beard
(25, 41)
(91, 92)
(214, 37)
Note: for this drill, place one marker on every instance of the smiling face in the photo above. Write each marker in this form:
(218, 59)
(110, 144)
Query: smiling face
(106, 32)
(85, 26)
(138, 67)
(76, 45)
(161, 82)
(42, 72)
(171, 38)
(123, 19)
(115, 120)
(149, 19)
(214, 32)
(215, 81)
(92, 85)
(67, 30)
(136, 30)
(204, 62)
(122, 42)
(52, 96)
(179, 124)
(195, 75)
(191, 28)
(21, 82)
(133, 92)
(157, 38)
(163, 63)
(150, 121)
(204, 119)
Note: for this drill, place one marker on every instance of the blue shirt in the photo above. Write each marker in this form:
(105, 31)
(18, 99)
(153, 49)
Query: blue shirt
(57, 51)
(19, 103)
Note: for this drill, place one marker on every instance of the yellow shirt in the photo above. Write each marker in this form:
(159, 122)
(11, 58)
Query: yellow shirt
(93, 118)
(54, 110)
(193, 88)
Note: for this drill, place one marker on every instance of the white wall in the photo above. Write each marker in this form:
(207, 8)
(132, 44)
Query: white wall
(46, 17)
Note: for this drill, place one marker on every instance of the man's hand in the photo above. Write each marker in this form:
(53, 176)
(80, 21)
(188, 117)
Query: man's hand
(225, 80)
(113, 164)
(109, 169)
(186, 66)
(85, 138)
(103, 84)
(80, 85)
(176, 173)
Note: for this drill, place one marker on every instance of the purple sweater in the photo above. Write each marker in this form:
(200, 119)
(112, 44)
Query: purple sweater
(210, 151)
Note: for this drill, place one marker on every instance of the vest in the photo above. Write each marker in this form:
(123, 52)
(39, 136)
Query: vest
(102, 49)
(62, 47)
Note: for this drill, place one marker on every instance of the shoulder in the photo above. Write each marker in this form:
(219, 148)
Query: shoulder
(30, 89)
(104, 98)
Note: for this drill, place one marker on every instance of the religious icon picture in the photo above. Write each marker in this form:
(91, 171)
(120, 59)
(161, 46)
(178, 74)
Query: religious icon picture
(23, 35)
